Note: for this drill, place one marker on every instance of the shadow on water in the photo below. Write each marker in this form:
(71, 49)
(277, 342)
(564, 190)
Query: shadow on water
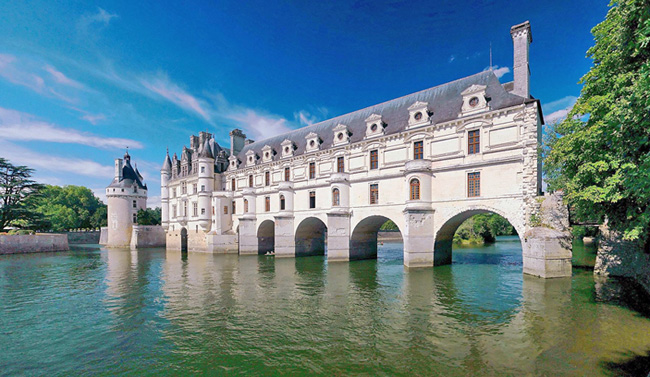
(623, 292)
(633, 365)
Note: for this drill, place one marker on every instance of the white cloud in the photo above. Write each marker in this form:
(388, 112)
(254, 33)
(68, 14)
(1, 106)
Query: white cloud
(100, 18)
(558, 109)
(23, 156)
(100, 193)
(15, 125)
(498, 71)
(153, 202)
(162, 86)
(452, 58)
(61, 78)
(93, 119)
(260, 126)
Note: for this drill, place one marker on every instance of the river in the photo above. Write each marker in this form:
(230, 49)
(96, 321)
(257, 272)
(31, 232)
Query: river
(92, 311)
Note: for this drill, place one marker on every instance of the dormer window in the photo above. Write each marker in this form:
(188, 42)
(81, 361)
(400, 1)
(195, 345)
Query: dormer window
(474, 100)
(375, 126)
(233, 163)
(251, 158)
(267, 153)
(287, 148)
(313, 142)
(341, 135)
(419, 114)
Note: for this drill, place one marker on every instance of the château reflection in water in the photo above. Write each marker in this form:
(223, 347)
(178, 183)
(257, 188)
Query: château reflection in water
(155, 312)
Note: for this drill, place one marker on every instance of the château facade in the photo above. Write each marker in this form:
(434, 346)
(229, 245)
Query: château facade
(427, 161)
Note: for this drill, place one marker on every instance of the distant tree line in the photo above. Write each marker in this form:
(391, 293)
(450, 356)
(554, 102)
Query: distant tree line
(483, 228)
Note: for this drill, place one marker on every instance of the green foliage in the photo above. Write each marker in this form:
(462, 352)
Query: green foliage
(21, 231)
(68, 207)
(483, 228)
(389, 225)
(600, 154)
(16, 188)
(149, 216)
(580, 231)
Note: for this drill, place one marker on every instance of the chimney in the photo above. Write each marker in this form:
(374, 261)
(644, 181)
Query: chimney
(118, 169)
(521, 40)
(236, 141)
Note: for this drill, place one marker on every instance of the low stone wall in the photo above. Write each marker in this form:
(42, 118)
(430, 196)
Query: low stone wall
(147, 236)
(83, 237)
(617, 257)
(389, 236)
(33, 243)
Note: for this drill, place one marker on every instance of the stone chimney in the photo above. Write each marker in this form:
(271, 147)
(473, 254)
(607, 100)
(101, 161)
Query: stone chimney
(118, 169)
(237, 139)
(521, 40)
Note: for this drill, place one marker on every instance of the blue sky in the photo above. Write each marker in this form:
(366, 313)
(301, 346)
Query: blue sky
(81, 80)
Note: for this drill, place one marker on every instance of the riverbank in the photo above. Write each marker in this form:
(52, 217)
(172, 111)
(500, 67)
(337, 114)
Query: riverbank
(33, 243)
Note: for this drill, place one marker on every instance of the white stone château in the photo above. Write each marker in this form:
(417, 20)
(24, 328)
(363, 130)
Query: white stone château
(126, 195)
(427, 161)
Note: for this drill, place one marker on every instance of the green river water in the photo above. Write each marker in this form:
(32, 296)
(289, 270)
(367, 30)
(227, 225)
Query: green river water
(93, 311)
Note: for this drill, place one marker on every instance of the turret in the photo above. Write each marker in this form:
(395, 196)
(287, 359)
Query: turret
(521, 40)
(205, 180)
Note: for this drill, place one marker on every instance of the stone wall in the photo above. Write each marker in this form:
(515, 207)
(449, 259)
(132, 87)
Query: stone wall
(147, 236)
(91, 237)
(617, 257)
(103, 237)
(33, 243)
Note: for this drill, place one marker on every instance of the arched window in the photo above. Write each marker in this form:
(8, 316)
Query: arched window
(336, 197)
(281, 202)
(245, 205)
(415, 189)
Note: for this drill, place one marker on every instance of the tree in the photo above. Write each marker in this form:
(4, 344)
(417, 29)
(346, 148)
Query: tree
(16, 187)
(149, 216)
(600, 154)
(68, 207)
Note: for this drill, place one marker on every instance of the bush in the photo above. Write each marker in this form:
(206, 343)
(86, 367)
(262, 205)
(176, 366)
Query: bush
(21, 232)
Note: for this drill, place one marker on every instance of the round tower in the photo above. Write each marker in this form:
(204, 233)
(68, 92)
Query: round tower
(125, 196)
(205, 184)
(165, 176)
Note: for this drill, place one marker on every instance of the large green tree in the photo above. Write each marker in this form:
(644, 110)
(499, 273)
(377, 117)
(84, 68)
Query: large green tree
(16, 188)
(69, 207)
(149, 216)
(600, 154)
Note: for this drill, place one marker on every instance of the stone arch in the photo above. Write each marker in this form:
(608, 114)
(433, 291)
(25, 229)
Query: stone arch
(266, 237)
(184, 239)
(443, 235)
(310, 237)
(363, 240)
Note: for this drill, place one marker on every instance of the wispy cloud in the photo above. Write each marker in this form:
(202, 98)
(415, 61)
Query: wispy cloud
(94, 118)
(100, 18)
(61, 78)
(162, 86)
(452, 58)
(498, 71)
(558, 109)
(15, 125)
(40, 161)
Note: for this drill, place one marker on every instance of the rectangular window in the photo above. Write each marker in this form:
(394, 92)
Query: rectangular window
(267, 178)
(184, 208)
(134, 204)
(312, 199)
(374, 193)
(194, 188)
(340, 164)
(418, 150)
(202, 188)
(174, 211)
(173, 193)
(183, 188)
(202, 169)
(312, 170)
(250, 180)
(203, 211)
(195, 209)
(473, 142)
(267, 204)
(474, 184)
(374, 159)
(234, 208)
(287, 174)
(232, 184)
(225, 210)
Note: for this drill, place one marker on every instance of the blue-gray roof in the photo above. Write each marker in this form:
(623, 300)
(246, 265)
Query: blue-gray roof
(444, 100)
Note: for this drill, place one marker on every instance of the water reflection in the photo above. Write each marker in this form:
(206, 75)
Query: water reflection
(154, 312)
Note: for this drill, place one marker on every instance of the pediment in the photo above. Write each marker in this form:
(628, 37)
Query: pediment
(476, 88)
(418, 105)
(373, 118)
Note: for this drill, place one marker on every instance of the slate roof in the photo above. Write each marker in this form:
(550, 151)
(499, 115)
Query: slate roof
(129, 176)
(444, 100)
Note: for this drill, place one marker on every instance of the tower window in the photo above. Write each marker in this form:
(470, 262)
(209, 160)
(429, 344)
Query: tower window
(418, 150)
(312, 170)
(225, 210)
(374, 159)
(474, 184)
(194, 189)
(202, 169)
(336, 197)
(282, 202)
(250, 180)
(374, 193)
(340, 164)
(202, 188)
(267, 204)
(203, 211)
(134, 204)
(287, 174)
(267, 178)
(245, 205)
(232, 184)
(135, 218)
(414, 189)
(473, 142)
(312, 199)
(195, 208)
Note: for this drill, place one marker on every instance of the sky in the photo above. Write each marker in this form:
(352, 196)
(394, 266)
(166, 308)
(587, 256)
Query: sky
(80, 80)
